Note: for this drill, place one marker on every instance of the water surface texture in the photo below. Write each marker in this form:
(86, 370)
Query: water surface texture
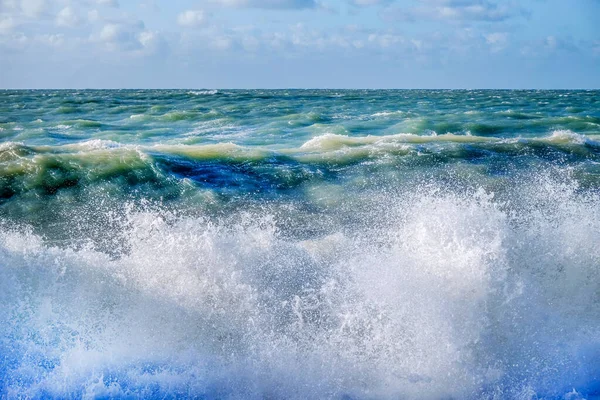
(300, 244)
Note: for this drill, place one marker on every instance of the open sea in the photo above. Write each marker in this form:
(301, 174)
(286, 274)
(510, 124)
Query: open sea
(300, 244)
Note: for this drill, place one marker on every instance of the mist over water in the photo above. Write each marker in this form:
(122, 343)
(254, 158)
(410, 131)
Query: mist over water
(316, 245)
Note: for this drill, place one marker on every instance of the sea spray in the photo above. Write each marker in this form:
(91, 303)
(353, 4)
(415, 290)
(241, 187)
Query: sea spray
(457, 295)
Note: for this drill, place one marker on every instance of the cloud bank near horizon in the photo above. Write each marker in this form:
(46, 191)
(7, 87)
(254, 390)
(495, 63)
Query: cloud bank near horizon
(299, 43)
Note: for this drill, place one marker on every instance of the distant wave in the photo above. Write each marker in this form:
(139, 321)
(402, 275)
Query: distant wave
(203, 92)
(48, 169)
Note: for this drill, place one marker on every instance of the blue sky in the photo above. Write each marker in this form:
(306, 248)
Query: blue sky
(299, 43)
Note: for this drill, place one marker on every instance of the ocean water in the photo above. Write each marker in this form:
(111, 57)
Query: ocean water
(297, 244)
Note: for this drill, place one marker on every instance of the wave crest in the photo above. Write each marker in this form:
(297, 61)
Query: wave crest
(436, 293)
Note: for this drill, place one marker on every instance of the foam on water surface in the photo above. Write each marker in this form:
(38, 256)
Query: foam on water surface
(433, 294)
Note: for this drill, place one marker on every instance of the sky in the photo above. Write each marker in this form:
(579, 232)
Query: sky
(300, 44)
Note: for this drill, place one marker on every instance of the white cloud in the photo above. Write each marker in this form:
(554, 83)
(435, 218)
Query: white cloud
(6, 25)
(16, 42)
(366, 3)
(269, 4)
(417, 44)
(9, 5)
(562, 43)
(152, 43)
(146, 38)
(456, 10)
(359, 44)
(276, 40)
(496, 38)
(131, 37)
(93, 15)
(222, 43)
(111, 32)
(67, 17)
(550, 46)
(300, 39)
(191, 18)
(149, 5)
(250, 43)
(497, 41)
(385, 40)
(55, 40)
(33, 8)
(108, 3)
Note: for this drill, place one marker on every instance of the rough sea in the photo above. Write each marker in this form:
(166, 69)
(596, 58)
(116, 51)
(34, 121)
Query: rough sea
(300, 244)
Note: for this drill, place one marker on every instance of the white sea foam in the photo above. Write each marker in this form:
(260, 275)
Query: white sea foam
(389, 114)
(218, 129)
(94, 144)
(565, 135)
(437, 294)
(203, 92)
(331, 141)
(10, 145)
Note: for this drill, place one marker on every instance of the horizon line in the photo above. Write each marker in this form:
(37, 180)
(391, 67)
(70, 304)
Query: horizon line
(295, 88)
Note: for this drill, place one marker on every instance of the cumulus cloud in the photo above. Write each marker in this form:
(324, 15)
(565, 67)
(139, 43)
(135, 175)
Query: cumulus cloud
(108, 3)
(550, 45)
(497, 41)
(385, 40)
(299, 40)
(551, 42)
(110, 32)
(191, 18)
(457, 10)
(147, 38)
(67, 17)
(222, 43)
(129, 36)
(151, 5)
(119, 32)
(55, 40)
(93, 15)
(366, 3)
(561, 43)
(6, 25)
(122, 36)
(33, 8)
(269, 4)
(8, 5)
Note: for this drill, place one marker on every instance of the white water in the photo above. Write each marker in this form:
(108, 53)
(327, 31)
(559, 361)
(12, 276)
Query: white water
(440, 294)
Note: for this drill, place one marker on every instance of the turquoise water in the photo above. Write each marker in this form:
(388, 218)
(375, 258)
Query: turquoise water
(300, 244)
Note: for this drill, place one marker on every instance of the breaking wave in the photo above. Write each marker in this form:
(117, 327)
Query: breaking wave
(431, 293)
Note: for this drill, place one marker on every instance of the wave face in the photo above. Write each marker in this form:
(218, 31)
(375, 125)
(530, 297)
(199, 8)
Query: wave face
(300, 244)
